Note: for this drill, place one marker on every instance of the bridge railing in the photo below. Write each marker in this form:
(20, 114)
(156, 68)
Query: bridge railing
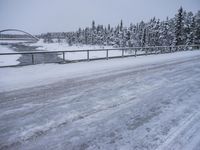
(38, 57)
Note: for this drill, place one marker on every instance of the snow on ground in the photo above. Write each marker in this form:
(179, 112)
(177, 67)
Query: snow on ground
(29, 76)
(148, 102)
(63, 46)
(8, 59)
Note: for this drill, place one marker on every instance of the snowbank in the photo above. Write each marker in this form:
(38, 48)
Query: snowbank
(30, 76)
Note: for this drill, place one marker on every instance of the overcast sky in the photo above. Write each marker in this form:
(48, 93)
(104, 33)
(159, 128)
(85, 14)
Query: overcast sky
(39, 16)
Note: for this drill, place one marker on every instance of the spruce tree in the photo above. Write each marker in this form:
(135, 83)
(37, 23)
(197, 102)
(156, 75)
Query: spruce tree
(121, 25)
(178, 39)
(197, 28)
(143, 40)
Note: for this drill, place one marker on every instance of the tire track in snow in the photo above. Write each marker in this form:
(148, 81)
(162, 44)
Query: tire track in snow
(187, 123)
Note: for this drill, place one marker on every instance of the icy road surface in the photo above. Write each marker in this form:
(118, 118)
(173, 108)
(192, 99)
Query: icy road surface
(156, 106)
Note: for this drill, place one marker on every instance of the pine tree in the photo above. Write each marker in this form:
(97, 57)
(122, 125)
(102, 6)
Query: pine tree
(178, 39)
(108, 27)
(93, 25)
(121, 25)
(188, 33)
(143, 41)
(184, 28)
(197, 28)
(93, 33)
(191, 37)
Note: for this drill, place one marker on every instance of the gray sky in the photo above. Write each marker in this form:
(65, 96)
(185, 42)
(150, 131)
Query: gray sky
(38, 16)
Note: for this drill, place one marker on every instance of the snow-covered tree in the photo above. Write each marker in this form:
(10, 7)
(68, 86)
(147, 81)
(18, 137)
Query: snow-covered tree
(178, 39)
(197, 28)
(184, 28)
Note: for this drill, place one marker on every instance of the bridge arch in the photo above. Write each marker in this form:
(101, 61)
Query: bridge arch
(26, 33)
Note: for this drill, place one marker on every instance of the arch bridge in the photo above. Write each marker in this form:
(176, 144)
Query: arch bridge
(30, 36)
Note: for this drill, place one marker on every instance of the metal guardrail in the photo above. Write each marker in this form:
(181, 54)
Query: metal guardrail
(133, 51)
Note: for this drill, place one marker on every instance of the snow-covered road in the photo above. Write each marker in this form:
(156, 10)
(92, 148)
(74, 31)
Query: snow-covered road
(155, 106)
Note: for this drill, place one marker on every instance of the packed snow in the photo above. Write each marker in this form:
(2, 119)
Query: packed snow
(6, 60)
(132, 103)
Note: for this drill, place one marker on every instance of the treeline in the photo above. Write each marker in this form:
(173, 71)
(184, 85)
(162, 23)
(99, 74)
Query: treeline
(182, 29)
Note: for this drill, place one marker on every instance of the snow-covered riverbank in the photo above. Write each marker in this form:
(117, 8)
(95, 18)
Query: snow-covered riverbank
(8, 59)
(79, 55)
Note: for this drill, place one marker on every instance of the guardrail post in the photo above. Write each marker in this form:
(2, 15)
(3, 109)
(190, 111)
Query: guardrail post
(32, 58)
(135, 52)
(193, 47)
(146, 51)
(161, 50)
(165, 49)
(181, 48)
(88, 55)
(63, 56)
(157, 50)
(173, 49)
(106, 54)
(186, 48)
(122, 52)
